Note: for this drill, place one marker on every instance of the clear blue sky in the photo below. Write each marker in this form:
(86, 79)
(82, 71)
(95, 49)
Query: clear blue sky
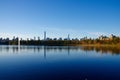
(79, 18)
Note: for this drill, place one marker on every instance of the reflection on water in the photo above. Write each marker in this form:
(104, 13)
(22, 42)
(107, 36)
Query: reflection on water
(59, 63)
(19, 49)
(102, 49)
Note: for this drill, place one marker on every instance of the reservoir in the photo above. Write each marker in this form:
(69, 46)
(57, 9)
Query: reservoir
(59, 63)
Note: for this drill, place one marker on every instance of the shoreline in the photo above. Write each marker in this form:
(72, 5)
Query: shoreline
(101, 45)
(92, 45)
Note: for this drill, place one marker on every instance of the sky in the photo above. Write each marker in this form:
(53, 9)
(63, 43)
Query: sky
(79, 18)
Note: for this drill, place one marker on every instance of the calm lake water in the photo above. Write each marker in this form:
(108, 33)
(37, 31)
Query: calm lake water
(59, 63)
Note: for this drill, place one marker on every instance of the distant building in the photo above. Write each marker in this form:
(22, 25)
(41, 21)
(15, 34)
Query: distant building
(38, 38)
(68, 37)
(76, 39)
(103, 37)
(21, 39)
(13, 37)
(84, 38)
(44, 35)
(112, 37)
(34, 38)
(27, 39)
(31, 39)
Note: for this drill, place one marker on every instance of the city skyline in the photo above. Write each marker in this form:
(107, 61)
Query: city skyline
(45, 37)
(79, 18)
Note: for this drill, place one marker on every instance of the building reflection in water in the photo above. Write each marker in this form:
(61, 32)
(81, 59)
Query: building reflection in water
(45, 49)
(45, 52)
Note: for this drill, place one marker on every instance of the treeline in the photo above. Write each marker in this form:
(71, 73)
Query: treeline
(98, 41)
(113, 41)
(66, 42)
(46, 42)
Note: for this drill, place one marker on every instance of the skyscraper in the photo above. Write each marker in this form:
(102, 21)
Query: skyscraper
(44, 35)
(68, 37)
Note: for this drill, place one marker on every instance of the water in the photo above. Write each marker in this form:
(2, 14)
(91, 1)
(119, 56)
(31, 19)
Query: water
(59, 63)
